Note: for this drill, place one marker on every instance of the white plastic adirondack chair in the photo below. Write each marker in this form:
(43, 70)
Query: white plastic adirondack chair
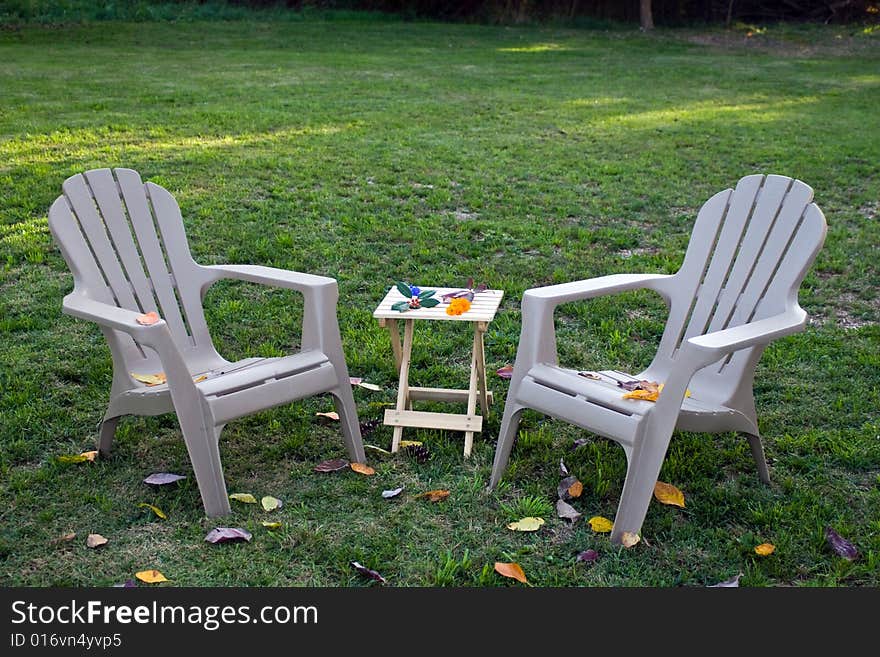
(735, 292)
(125, 245)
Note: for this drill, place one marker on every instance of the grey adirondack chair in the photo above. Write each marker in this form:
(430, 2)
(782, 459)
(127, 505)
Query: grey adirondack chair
(735, 292)
(125, 244)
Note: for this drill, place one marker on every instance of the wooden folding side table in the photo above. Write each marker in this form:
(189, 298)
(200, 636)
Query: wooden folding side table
(482, 311)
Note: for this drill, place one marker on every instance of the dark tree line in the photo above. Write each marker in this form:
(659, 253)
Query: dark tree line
(647, 12)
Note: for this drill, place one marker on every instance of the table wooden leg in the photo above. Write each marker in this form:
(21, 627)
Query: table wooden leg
(403, 383)
(472, 392)
(395, 342)
(481, 372)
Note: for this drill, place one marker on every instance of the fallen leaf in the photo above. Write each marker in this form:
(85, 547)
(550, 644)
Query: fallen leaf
(628, 539)
(71, 458)
(580, 442)
(155, 509)
(150, 379)
(527, 524)
(601, 525)
(569, 488)
(410, 443)
(369, 386)
(226, 534)
(64, 538)
(127, 584)
(200, 378)
(394, 492)
(332, 415)
(668, 494)
(362, 468)
(95, 541)
(368, 572)
(147, 319)
(151, 576)
(731, 583)
(563, 471)
(590, 375)
(355, 380)
(163, 478)
(271, 525)
(765, 549)
(90, 456)
(505, 372)
(566, 511)
(247, 498)
(647, 390)
(840, 545)
(588, 556)
(511, 570)
(270, 503)
(375, 448)
(331, 465)
(434, 495)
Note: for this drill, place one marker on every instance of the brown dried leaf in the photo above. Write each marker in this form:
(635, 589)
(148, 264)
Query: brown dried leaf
(434, 495)
(629, 539)
(765, 549)
(64, 538)
(95, 541)
(511, 570)
(569, 488)
(331, 465)
(566, 511)
(362, 468)
(147, 319)
(668, 494)
(332, 415)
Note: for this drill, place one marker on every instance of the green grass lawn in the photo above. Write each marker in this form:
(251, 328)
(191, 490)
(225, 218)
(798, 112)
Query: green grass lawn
(379, 151)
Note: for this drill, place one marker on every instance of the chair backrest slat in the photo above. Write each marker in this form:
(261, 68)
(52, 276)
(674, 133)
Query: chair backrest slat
(141, 215)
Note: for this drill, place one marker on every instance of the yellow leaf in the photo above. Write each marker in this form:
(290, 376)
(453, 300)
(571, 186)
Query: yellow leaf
(332, 415)
(200, 378)
(155, 509)
(765, 549)
(601, 525)
(147, 319)
(362, 468)
(151, 576)
(434, 495)
(71, 458)
(527, 524)
(512, 570)
(247, 498)
(649, 391)
(95, 540)
(410, 443)
(150, 379)
(576, 489)
(668, 494)
(271, 525)
(628, 539)
(270, 503)
(370, 386)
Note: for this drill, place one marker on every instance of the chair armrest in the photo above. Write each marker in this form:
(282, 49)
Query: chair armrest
(268, 276)
(594, 287)
(713, 346)
(114, 317)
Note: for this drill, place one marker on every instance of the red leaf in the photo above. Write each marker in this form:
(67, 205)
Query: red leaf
(588, 556)
(505, 372)
(840, 545)
(331, 465)
(367, 572)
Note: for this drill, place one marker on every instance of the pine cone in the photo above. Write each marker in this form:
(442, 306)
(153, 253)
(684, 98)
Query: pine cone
(418, 452)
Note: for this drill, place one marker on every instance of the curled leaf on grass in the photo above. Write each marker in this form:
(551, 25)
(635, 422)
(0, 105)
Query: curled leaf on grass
(155, 509)
(332, 415)
(64, 538)
(369, 386)
(95, 541)
(362, 468)
(368, 572)
(127, 584)
(271, 525)
(331, 465)
(227, 534)
(78, 458)
(841, 546)
(355, 380)
(563, 471)
(580, 442)
(566, 511)
(147, 319)
(247, 498)
(163, 478)
(527, 524)
(569, 488)
(512, 570)
(590, 375)
(270, 503)
(505, 372)
(375, 448)
(628, 539)
(433, 495)
(732, 583)
(151, 576)
(394, 492)
(156, 379)
(587, 556)
(668, 494)
(600, 525)
(410, 443)
(765, 549)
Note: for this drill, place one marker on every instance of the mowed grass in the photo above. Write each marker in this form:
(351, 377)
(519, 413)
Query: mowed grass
(381, 151)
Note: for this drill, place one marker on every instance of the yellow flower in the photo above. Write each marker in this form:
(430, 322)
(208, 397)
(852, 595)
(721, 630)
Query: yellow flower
(458, 306)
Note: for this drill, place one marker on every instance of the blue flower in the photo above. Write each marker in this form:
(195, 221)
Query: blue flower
(414, 290)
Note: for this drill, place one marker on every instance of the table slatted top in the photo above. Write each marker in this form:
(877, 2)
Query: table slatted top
(483, 307)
